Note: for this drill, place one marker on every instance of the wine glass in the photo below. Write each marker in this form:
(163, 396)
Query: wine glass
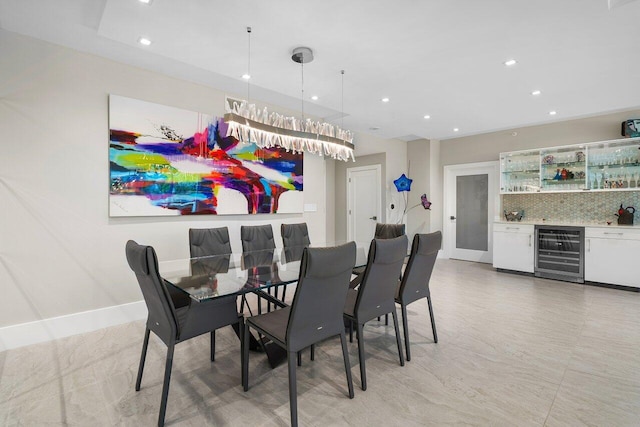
(598, 179)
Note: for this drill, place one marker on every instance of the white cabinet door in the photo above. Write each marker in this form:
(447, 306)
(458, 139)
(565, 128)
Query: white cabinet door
(513, 247)
(612, 260)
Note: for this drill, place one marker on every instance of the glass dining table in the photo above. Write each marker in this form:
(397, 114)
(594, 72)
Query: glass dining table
(239, 273)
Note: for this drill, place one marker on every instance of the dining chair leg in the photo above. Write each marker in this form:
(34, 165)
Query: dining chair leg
(398, 339)
(284, 293)
(143, 357)
(386, 320)
(213, 345)
(433, 320)
(293, 391)
(242, 347)
(313, 352)
(363, 370)
(350, 330)
(245, 362)
(347, 364)
(300, 358)
(405, 327)
(165, 385)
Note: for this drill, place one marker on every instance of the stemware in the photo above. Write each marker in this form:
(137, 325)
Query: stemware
(599, 179)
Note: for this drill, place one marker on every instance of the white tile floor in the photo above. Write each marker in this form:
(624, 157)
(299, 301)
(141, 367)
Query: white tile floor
(513, 350)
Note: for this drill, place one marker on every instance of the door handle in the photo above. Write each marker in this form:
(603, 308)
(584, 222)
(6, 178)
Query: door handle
(374, 218)
(452, 217)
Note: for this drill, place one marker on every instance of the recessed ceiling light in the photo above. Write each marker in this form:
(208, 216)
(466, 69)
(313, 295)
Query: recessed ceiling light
(536, 93)
(552, 113)
(246, 76)
(146, 1)
(314, 97)
(456, 129)
(510, 62)
(374, 128)
(427, 116)
(144, 41)
(385, 99)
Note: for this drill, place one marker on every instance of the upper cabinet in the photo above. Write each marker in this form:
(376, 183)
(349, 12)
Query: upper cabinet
(614, 165)
(564, 168)
(598, 166)
(520, 172)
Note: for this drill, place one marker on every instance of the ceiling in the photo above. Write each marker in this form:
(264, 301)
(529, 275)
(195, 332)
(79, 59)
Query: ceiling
(439, 58)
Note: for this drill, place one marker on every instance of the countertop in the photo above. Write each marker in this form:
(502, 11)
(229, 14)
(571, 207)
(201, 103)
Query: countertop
(569, 223)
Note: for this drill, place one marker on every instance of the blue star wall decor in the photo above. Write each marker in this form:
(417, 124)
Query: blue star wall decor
(403, 183)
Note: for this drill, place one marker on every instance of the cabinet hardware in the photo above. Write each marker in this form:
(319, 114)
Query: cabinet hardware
(513, 228)
(588, 245)
(613, 234)
(529, 240)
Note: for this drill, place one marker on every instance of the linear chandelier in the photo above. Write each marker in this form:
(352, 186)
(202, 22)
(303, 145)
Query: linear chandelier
(248, 124)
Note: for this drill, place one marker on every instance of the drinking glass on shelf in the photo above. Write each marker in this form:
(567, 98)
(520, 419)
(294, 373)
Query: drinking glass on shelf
(592, 178)
(599, 179)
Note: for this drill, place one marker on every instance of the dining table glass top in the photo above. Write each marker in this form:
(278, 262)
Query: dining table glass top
(237, 273)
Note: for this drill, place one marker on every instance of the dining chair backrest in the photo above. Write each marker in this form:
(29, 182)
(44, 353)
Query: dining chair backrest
(162, 318)
(380, 277)
(415, 280)
(209, 241)
(257, 237)
(295, 237)
(388, 231)
(206, 242)
(318, 304)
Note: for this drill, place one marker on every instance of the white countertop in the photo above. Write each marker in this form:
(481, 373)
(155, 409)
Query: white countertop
(614, 224)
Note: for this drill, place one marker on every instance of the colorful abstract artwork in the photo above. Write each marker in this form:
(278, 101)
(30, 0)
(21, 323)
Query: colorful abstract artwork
(169, 161)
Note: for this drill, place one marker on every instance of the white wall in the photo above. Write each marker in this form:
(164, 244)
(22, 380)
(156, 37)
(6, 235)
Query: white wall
(60, 253)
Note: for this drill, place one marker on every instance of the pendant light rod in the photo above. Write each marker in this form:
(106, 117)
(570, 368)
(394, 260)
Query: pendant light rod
(249, 65)
(342, 100)
(302, 55)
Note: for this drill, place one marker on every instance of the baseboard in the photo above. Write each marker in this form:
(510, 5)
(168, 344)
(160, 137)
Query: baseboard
(24, 334)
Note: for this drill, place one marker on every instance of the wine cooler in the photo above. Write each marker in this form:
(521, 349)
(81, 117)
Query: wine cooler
(560, 253)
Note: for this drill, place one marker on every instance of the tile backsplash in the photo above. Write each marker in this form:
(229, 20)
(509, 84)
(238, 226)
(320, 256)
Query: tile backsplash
(596, 207)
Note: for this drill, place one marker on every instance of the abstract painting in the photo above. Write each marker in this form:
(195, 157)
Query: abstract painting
(170, 161)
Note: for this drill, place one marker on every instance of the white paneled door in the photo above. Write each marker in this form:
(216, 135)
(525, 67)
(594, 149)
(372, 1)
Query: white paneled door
(470, 205)
(363, 202)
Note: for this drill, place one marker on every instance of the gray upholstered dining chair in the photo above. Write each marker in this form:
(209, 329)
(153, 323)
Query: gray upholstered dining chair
(383, 231)
(314, 315)
(215, 246)
(258, 238)
(415, 280)
(173, 316)
(375, 296)
(295, 237)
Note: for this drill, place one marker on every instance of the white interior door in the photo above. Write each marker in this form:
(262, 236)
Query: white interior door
(470, 205)
(364, 202)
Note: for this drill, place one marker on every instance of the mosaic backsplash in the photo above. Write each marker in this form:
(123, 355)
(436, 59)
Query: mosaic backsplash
(585, 207)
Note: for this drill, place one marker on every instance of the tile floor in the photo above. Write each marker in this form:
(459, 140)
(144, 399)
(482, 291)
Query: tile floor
(513, 350)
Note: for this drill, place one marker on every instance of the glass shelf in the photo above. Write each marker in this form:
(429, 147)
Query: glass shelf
(614, 165)
(520, 172)
(597, 166)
